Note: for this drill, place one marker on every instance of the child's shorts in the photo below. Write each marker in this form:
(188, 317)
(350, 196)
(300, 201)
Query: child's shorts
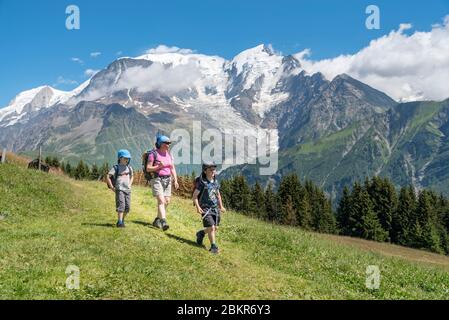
(123, 201)
(211, 217)
(161, 186)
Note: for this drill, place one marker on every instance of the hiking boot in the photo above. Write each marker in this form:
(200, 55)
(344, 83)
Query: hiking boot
(164, 224)
(214, 249)
(157, 223)
(120, 224)
(199, 237)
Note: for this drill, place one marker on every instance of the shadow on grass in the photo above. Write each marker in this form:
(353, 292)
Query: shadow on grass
(146, 224)
(143, 223)
(105, 225)
(183, 240)
(172, 236)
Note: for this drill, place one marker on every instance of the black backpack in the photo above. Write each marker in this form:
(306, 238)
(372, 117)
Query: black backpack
(145, 156)
(200, 180)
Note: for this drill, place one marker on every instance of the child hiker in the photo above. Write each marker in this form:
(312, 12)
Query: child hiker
(207, 199)
(119, 180)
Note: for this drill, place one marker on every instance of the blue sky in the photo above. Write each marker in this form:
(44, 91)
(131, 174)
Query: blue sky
(37, 49)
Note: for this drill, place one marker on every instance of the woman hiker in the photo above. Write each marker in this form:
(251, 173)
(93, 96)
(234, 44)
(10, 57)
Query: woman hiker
(161, 165)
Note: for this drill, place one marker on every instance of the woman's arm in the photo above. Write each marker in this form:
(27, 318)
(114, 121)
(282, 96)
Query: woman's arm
(151, 168)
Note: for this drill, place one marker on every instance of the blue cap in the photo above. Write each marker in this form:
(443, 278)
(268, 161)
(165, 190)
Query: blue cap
(161, 139)
(124, 154)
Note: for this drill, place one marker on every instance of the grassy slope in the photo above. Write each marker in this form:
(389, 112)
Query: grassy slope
(54, 222)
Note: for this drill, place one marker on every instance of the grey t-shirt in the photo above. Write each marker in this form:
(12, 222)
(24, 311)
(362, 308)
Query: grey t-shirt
(124, 175)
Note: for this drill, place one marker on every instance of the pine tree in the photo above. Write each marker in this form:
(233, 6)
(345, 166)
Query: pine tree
(442, 210)
(95, 173)
(445, 218)
(290, 187)
(425, 234)
(240, 194)
(68, 169)
(384, 199)
(104, 170)
(366, 223)
(290, 212)
(81, 170)
(305, 212)
(402, 220)
(86, 171)
(343, 212)
(270, 203)
(225, 191)
(322, 216)
(318, 203)
(258, 201)
(284, 192)
(443, 239)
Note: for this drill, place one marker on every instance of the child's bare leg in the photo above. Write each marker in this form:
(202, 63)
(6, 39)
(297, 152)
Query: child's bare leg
(211, 234)
(120, 216)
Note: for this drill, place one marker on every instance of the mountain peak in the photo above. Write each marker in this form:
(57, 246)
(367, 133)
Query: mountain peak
(260, 55)
(266, 48)
(375, 97)
(260, 50)
(40, 97)
(343, 76)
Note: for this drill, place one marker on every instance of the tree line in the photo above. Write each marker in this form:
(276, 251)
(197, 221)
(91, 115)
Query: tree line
(294, 203)
(372, 210)
(82, 171)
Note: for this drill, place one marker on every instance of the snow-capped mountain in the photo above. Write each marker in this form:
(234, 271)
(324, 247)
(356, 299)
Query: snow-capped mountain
(315, 118)
(249, 83)
(255, 74)
(258, 89)
(30, 101)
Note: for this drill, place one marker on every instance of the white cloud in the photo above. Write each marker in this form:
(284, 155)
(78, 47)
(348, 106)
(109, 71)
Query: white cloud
(90, 72)
(77, 60)
(407, 67)
(95, 54)
(119, 53)
(157, 77)
(160, 77)
(165, 49)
